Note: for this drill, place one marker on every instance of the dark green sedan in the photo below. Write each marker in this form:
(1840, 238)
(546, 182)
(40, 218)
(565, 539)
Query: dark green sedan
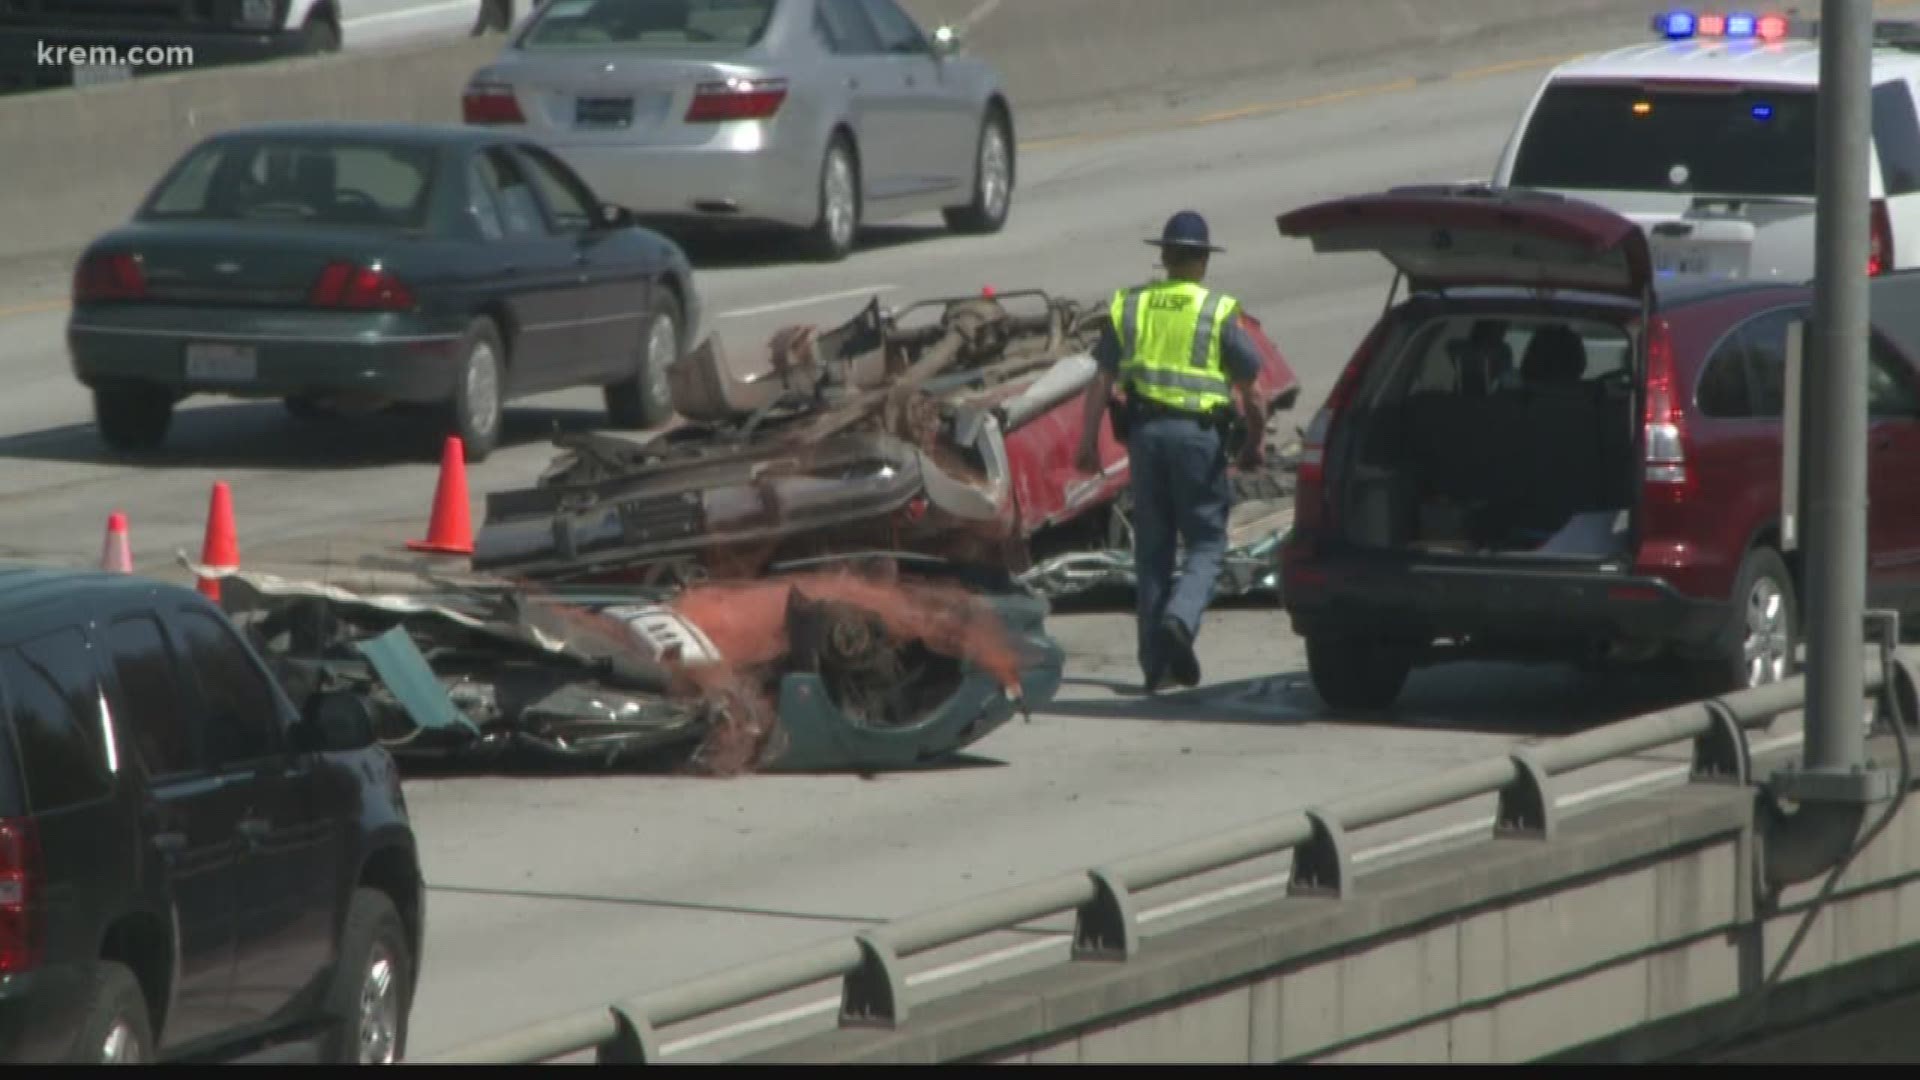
(351, 267)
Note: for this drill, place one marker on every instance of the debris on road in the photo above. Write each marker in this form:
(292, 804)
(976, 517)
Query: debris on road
(854, 664)
(952, 437)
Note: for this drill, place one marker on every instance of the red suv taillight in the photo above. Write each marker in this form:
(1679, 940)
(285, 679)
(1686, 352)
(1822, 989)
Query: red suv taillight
(490, 103)
(22, 882)
(360, 288)
(1666, 438)
(736, 99)
(1880, 249)
(108, 277)
(1311, 511)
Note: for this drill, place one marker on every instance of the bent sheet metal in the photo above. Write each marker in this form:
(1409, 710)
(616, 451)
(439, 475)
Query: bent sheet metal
(946, 428)
(864, 664)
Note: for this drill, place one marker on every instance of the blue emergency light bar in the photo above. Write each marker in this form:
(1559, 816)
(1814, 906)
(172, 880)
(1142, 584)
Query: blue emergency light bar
(1738, 26)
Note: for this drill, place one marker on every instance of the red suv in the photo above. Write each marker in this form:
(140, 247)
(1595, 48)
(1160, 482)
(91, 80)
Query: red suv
(1549, 451)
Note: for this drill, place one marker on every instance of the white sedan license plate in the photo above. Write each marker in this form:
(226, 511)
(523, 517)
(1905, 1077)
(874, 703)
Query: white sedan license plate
(210, 362)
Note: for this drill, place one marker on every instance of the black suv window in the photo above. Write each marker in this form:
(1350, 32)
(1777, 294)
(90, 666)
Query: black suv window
(1746, 377)
(242, 722)
(55, 707)
(149, 707)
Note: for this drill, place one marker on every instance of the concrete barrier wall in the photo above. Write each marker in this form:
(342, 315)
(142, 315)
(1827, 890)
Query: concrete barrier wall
(1070, 52)
(1636, 934)
(75, 162)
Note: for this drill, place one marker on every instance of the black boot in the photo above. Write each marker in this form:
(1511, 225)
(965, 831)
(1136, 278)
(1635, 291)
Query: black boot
(1177, 645)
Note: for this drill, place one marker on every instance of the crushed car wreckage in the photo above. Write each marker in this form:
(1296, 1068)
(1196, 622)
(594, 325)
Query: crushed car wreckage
(952, 437)
(850, 664)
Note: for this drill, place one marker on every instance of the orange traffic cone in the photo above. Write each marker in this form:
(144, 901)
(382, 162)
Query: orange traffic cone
(222, 546)
(451, 531)
(115, 555)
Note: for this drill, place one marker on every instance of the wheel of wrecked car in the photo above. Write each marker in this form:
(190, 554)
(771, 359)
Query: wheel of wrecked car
(1356, 673)
(644, 400)
(371, 995)
(480, 394)
(132, 416)
(116, 1029)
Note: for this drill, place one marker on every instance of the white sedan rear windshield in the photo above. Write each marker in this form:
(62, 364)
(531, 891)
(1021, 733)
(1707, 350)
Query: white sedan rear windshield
(646, 25)
(1624, 137)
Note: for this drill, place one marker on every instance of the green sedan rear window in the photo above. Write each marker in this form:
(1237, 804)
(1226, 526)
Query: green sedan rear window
(670, 25)
(305, 181)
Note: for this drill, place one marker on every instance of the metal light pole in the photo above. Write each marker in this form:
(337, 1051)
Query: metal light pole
(1836, 440)
(1834, 787)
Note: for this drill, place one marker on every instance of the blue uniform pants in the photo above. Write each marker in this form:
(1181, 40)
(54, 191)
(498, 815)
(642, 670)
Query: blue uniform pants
(1180, 493)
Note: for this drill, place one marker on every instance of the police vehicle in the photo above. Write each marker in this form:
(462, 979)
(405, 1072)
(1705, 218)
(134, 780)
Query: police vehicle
(1704, 136)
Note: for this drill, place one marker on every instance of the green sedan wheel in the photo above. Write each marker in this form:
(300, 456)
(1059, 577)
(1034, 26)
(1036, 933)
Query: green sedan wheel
(479, 399)
(132, 416)
(644, 400)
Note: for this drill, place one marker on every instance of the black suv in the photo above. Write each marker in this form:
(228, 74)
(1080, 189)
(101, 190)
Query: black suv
(189, 867)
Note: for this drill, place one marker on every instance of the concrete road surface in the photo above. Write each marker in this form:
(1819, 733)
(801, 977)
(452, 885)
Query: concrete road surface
(551, 895)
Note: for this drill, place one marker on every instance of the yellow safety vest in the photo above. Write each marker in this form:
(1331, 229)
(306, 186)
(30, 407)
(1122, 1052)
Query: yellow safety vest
(1170, 336)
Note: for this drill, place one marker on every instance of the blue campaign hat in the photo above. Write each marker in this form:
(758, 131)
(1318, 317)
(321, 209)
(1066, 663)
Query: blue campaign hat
(1186, 229)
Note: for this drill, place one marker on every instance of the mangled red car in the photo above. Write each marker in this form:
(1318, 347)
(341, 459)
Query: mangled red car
(945, 429)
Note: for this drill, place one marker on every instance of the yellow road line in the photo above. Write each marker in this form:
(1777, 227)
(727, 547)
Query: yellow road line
(1268, 108)
(34, 308)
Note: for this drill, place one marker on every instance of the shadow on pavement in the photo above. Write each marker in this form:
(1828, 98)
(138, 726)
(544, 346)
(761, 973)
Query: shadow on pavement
(666, 764)
(1497, 699)
(262, 435)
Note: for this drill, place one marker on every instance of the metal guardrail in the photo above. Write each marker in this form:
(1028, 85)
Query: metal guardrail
(1107, 927)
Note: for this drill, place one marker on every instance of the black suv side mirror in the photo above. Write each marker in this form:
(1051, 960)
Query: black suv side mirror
(337, 720)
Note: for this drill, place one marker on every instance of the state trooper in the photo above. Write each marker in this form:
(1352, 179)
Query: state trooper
(1177, 350)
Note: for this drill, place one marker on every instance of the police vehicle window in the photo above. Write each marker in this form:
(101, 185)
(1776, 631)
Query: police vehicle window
(242, 719)
(649, 25)
(845, 29)
(897, 30)
(1623, 137)
(62, 751)
(571, 208)
(1896, 137)
(148, 709)
(519, 210)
